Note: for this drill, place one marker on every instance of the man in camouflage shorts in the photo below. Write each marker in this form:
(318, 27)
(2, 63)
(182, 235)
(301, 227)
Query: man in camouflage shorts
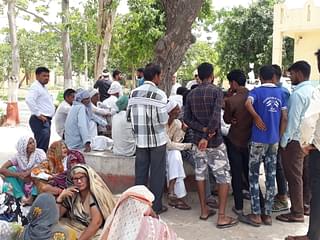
(203, 115)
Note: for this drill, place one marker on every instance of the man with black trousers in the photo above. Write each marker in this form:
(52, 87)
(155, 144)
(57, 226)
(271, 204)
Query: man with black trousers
(236, 114)
(148, 114)
(40, 103)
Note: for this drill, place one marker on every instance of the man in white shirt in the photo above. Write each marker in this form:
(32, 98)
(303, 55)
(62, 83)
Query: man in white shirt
(124, 143)
(110, 103)
(117, 77)
(175, 85)
(63, 110)
(40, 103)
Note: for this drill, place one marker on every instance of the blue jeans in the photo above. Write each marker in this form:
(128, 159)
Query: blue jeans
(266, 153)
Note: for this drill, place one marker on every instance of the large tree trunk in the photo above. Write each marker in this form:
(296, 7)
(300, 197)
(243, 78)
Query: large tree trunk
(12, 107)
(67, 67)
(171, 48)
(106, 16)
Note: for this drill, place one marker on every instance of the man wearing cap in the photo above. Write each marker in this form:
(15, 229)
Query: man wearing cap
(110, 103)
(103, 84)
(124, 143)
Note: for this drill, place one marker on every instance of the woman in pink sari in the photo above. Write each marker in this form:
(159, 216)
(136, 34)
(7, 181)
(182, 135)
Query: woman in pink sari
(134, 219)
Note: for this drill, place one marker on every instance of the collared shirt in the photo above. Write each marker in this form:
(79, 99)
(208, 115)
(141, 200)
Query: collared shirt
(77, 127)
(124, 143)
(203, 110)
(240, 131)
(148, 115)
(39, 100)
(268, 101)
(299, 101)
(61, 116)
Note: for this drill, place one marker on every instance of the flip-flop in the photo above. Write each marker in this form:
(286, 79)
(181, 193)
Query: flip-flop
(180, 204)
(246, 219)
(210, 214)
(289, 218)
(231, 223)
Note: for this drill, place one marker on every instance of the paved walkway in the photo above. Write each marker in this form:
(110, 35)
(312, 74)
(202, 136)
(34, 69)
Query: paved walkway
(185, 223)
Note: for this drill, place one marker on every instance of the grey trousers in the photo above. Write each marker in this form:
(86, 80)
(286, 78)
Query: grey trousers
(314, 220)
(153, 159)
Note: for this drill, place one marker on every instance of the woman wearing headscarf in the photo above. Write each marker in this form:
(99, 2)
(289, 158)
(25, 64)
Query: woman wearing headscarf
(88, 203)
(58, 167)
(81, 126)
(17, 171)
(43, 223)
(175, 171)
(133, 218)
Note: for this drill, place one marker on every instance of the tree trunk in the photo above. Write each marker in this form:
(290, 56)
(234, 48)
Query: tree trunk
(171, 48)
(67, 67)
(12, 106)
(106, 16)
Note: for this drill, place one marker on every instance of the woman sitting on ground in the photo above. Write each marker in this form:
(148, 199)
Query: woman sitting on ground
(60, 162)
(17, 171)
(133, 218)
(43, 223)
(87, 204)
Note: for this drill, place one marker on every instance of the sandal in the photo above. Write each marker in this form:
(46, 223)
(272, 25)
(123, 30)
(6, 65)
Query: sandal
(232, 222)
(210, 214)
(297, 238)
(289, 218)
(248, 220)
(212, 202)
(179, 204)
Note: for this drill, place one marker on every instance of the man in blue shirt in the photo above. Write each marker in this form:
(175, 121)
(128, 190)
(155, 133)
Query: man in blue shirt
(268, 108)
(292, 154)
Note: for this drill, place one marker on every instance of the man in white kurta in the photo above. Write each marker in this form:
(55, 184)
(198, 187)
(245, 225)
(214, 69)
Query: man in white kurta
(175, 171)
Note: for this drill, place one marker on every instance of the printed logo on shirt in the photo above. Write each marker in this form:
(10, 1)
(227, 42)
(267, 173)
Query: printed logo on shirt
(272, 104)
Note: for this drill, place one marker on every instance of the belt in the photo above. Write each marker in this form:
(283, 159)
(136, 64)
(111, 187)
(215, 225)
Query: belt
(49, 118)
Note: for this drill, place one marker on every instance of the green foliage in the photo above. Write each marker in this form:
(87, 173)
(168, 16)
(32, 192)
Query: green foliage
(38, 49)
(5, 61)
(245, 35)
(135, 35)
(198, 53)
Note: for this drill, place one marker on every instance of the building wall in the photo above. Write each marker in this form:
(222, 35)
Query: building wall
(305, 46)
(301, 24)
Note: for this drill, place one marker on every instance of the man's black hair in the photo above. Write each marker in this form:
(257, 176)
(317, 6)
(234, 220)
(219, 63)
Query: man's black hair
(151, 70)
(266, 72)
(181, 90)
(140, 70)
(40, 70)
(205, 70)
(238, 76)
(68, 92)
(301, 66)
(115, 73)
(277, 71)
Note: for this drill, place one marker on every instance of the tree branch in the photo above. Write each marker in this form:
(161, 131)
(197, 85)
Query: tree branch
(40, 18)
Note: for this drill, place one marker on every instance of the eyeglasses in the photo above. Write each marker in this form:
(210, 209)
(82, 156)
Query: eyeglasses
(81, 179)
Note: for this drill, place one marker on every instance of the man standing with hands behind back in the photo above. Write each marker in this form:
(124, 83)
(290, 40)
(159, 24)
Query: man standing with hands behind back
(203, 115)
(40, 103)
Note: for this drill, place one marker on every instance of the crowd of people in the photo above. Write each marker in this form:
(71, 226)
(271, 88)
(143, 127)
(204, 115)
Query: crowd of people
(224, 135)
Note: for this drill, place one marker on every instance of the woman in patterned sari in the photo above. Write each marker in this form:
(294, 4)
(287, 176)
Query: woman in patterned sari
(87, 204)
(60, 162)
(133, 218)
(43, 223)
